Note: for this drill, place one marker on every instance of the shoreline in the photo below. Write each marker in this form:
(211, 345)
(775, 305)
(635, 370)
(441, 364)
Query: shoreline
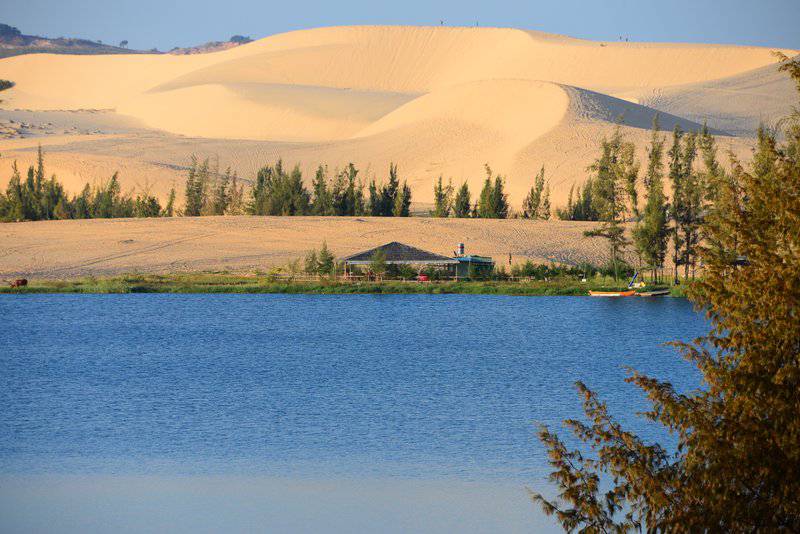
(224, 283)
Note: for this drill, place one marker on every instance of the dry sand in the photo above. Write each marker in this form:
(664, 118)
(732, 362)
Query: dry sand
(438, 101)
(66, 249)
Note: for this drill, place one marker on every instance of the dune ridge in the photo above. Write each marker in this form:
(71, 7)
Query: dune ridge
(437, 100)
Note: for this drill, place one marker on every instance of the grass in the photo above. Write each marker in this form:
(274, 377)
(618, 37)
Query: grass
(222, 282)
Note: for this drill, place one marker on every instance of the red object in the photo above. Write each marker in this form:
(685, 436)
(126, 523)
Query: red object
(423, 278)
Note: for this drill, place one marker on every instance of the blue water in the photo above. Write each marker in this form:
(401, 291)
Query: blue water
(406, 386)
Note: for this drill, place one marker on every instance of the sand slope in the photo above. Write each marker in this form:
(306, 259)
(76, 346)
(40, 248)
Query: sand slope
(435, 100)
(63, 249)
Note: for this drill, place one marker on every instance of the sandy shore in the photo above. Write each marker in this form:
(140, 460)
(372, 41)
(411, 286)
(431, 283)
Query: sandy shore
(65, 249)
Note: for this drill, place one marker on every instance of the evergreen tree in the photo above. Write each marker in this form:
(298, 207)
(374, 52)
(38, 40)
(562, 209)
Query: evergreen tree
(236, 204)
(545, 209)
(499, 198)
(389, 192)
(83, 204)
(608, 195)
(567, 213)
(221, 198)
(676, 176)
(693, 207)
(325, 260)
(169, 209)
(277, 192)
(493, 202)
(322, 202)
(14, 196)
(531, 206)
(461, 203)
(196, 187)
(651, 232)
(146, 205)
(485, 208)
(311, 263)
(378, 264)
(402, 206)
(374, 203)
(442, 199)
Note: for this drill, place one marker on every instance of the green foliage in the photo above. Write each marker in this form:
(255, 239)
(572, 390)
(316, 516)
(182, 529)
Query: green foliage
(277, 192)
(402, 205)
(322, 200)
(443, 199)
(537, 204)
(651, 233)
(579, 204)
(311, 264)
(613, 170)
(326, 261)
(321, 263)
(390, 199)
(169, 209)
(736, 467)
(493, 201)
(461, 203)
(687, 200)
(222, 192)
(39, 198)
(377, 264)
(196, 193)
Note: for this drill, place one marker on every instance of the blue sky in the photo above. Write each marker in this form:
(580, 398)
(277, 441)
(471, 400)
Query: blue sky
(168, 23)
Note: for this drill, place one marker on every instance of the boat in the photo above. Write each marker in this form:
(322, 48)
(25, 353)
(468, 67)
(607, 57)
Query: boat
(654, 293)
(625, 293)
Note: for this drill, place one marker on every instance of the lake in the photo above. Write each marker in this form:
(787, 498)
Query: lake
(237, 412)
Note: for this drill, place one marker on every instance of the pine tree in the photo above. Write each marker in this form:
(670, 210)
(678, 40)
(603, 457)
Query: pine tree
(236, 204)
(545, 210)
(221, 198)
(568, 213)
(311, 263)
(374, 203)
(196, 187)
(676, 208)
(693, 197)
(461, 203)
(531, 206)
(402, 206)
(321, 203)
(651, 232)
(14, 196)
(485, 200)
(442, 198)
(325, 260)
(169, 209)
(608, 195)
(499, 198)
(389, 192)
(378, 264)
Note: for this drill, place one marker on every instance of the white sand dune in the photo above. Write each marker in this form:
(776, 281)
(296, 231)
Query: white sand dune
(438, 101)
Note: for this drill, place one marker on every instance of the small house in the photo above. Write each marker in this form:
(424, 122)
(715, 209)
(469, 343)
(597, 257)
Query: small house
(402, 254)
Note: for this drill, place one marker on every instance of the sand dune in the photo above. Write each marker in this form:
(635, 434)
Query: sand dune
(438, 101)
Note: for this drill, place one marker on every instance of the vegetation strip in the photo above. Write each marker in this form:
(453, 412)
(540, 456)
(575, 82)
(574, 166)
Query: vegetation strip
(230, 283)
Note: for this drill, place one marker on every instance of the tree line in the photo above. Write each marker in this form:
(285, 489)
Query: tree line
(611, 196)
(40, 198)
(279, 191)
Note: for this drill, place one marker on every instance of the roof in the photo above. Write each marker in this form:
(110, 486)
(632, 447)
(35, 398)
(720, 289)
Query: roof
(400, 253)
